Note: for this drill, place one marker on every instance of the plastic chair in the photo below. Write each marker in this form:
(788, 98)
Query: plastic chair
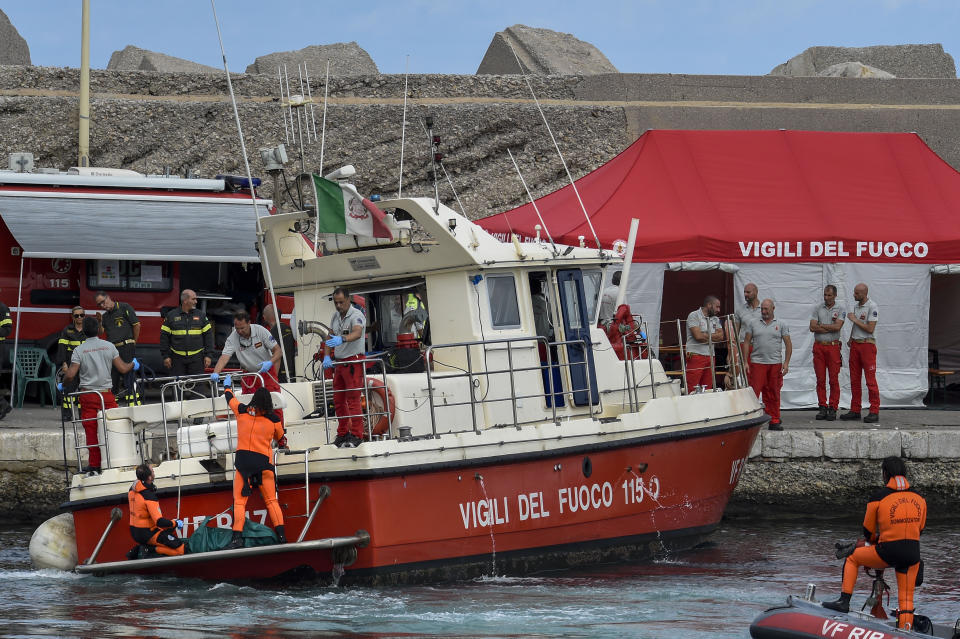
(30, 361)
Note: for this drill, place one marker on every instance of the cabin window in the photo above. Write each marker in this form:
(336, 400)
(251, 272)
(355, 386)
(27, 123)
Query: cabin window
(129, 275)
(573, 304)
(592, 281)
(504, 310)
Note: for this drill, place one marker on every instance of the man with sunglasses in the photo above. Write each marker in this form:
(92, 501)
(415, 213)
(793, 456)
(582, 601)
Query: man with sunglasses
(70, 337)
(122, 329)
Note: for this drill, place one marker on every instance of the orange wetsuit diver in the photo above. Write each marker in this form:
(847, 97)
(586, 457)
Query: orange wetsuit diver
(893, 523)
(257, 428)
(148, 526)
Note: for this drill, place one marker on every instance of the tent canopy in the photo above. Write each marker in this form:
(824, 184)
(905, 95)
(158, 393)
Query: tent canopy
(762, 196)
(89, 225)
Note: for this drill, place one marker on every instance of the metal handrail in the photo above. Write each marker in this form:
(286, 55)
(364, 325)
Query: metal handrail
(102, 421)
(731, 339)
(365, 415)
(628, 359)
(511, 371)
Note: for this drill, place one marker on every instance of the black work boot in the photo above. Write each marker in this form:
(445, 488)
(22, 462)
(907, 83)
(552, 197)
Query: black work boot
(281, 534)
(236, 541)
(850, 415)
(831, 414)
(871, 418)
(822, 413)
(840, 605)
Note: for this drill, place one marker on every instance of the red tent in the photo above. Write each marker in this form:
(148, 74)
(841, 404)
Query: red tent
(762, 196)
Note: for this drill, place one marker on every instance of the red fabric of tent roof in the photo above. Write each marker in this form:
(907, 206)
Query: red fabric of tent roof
(762, 196)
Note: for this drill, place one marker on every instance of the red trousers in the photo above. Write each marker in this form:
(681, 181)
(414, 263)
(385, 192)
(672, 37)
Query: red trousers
(698, 371)
(251, 384)
(347, 389)
(766, 381)
(827, 359)
(863, 359)
(89, 407)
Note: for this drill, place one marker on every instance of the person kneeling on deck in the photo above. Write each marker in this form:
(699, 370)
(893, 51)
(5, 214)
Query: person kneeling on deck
(893, 523)
(94, 359)
(257, 428)
(148, 526)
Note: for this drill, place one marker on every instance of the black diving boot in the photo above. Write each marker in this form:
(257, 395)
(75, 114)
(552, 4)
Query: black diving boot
(281, 534)
(840, 605)
(236, 541)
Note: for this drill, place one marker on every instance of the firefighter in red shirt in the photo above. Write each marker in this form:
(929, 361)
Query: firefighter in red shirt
(893, 523)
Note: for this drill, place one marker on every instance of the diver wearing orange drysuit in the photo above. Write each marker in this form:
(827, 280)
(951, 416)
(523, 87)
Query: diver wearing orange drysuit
(894, 521)
(258, 426)
(148, 526)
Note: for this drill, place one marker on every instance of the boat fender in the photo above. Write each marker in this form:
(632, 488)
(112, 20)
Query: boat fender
(382, 402)
(54, 544)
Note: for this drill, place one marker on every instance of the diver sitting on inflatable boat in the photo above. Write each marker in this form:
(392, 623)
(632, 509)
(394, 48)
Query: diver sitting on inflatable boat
(894, 520)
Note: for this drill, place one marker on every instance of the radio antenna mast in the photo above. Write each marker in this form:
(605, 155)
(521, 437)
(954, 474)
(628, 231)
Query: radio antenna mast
(403, 125)
(323, 139)
(557, 147)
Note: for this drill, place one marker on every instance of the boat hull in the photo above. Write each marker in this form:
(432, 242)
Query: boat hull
(591, 503)
(801, 619)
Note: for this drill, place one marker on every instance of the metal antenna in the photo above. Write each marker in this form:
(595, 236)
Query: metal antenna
(283, 111)
(445, 174)
(435, 158)
(534, 203)
(253, 194)
(323, 139)
(403, 125)
(557, 147)
(313, 120)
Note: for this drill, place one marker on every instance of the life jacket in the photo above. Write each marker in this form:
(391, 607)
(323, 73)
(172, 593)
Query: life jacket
(145, 507)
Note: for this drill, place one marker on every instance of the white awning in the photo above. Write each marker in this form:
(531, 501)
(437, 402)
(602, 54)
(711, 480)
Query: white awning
(132, 226)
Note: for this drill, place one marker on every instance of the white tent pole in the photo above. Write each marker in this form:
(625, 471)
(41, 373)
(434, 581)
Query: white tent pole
(627, 261)
(16, 334)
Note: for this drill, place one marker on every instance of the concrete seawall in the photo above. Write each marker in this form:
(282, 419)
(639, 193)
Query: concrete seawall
(823, 468)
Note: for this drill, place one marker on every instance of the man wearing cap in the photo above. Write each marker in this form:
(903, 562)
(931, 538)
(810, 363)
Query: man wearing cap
(863, 356)
(825, 324)
(122, 329)
(769, 359)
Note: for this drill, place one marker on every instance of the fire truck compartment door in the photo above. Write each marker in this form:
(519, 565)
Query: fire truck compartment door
(132, 227)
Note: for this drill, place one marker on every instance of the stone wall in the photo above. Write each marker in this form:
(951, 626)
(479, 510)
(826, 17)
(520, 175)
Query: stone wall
(145, 121)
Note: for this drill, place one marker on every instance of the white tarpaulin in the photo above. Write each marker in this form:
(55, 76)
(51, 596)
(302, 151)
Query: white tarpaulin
(132, 227)
(902, 291)
(645, 294)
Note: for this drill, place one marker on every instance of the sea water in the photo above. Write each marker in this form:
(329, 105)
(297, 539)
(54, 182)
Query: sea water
(710, 592)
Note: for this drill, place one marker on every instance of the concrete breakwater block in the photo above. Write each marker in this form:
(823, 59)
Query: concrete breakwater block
(903, 60)
(13, 48)
(542, 52)
(132, 58)
(346, 58)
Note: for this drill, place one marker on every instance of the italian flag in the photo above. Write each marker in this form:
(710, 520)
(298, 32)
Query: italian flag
(340, 209)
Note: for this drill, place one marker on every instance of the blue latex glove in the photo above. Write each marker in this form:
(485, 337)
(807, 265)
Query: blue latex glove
(643, 335)
(327, 362)
(136, 364)
(265, 366)
(60, 386)
(179, 523)
(334, 341)
(228, 381)
(214, 377)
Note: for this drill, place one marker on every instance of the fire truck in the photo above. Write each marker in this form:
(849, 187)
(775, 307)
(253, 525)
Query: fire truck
(142, 239)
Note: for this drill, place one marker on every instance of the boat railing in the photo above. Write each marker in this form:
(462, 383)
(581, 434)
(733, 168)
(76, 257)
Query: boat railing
(473, 375)
(371, 417)
(674, 357)
(78, 421)
(636, 349)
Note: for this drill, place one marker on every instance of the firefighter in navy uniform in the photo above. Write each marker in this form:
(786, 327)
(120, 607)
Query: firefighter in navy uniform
(70, 337)
(186, 338)
(148, 526)
(6, 325)
(122, 329)
(893, 523)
